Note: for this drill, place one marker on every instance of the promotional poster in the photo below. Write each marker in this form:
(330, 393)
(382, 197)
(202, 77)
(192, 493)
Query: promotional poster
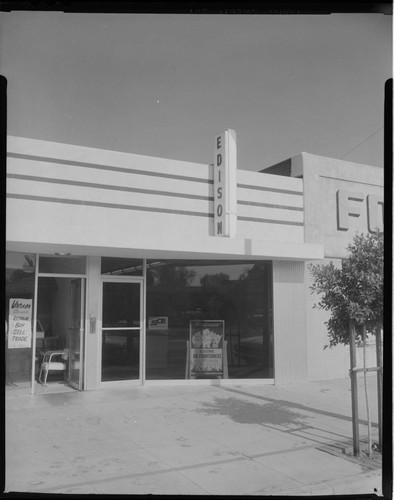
(206, 347)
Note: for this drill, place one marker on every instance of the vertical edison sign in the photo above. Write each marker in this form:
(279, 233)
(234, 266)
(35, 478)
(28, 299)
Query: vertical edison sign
(225, 184)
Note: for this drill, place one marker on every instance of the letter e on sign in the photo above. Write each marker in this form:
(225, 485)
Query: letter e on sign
(348, 205)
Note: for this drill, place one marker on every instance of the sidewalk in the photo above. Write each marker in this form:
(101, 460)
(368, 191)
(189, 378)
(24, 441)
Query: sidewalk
(217, 440)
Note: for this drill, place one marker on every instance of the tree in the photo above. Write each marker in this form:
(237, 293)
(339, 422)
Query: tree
(214, 282)
(354, 296)
(353, 292)
(171, 276)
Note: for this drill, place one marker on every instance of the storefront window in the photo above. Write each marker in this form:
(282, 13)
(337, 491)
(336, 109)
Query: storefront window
(62, 265)
(115, 266)
(19, 293)
(237, 293)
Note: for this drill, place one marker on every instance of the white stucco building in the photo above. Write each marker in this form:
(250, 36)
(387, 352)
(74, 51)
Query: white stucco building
(115, 255)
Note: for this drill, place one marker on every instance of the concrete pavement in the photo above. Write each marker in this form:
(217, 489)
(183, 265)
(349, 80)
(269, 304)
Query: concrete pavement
(205, 439)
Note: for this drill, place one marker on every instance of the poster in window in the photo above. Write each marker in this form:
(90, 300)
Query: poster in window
(19, 323)
(206, 347)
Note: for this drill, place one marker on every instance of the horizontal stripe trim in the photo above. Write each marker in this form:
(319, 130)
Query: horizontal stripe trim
(271, 221)
(141, 172)
(272, 190)
(108, 187)
(141, 209)
(269, 205)
(106, 167)
(141, 191)
(107, 205)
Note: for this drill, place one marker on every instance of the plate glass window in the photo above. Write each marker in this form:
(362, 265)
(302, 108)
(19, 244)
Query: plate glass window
(62, 265)
(238, 293)
(115, 266)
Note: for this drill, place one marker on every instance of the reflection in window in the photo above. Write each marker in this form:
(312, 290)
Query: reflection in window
(62, 265)
(116, 266)
(240, 293)
(121, 331)
(121, 305)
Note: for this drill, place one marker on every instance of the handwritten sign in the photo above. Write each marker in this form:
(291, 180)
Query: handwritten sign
(19, 323)
(206, 347)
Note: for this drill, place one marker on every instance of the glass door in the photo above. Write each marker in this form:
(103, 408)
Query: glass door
(60, 330)
(76, 330)
(121, 329)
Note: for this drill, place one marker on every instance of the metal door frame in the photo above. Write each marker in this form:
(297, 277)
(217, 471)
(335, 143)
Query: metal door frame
(39, 275)
(82, 331)
(125, 279)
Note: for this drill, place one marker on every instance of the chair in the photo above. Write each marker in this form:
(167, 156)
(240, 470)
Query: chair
(47, 344)
(53, 361)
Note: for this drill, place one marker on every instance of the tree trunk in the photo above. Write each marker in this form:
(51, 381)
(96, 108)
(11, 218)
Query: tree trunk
(379, 364)
(366, 391)
(353, 379)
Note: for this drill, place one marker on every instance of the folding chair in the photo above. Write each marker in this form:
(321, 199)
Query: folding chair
(53, 361)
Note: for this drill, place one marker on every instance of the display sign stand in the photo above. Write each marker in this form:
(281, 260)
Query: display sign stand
(206, 350)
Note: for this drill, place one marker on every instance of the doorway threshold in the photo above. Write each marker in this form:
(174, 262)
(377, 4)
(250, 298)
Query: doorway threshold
(52, 388)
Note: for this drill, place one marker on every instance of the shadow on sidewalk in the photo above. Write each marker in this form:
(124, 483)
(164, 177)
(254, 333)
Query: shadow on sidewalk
(245, 412)
(299, 406)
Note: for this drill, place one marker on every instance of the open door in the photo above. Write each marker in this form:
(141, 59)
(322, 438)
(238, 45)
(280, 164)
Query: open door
(75, 342)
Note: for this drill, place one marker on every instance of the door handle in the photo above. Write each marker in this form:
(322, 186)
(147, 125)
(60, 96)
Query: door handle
(92, 328)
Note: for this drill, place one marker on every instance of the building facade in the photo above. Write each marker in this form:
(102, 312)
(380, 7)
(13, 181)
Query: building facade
(141, 270)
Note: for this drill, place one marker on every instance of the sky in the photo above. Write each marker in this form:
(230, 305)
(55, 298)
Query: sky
(165, 84)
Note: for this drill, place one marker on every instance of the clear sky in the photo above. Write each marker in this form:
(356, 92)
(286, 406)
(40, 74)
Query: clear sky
(165, 85)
